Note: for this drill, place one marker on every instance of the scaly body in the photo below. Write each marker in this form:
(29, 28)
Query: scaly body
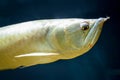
(45, 41)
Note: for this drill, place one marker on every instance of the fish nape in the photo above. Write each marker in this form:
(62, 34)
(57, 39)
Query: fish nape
(44, 41)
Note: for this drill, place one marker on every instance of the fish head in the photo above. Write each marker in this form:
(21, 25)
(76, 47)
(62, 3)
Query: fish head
(83, 33)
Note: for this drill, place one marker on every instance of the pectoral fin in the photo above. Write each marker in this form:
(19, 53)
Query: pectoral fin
(37, 54)
(30, 59)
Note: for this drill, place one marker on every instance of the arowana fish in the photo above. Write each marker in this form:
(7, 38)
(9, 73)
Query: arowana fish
(44, 41)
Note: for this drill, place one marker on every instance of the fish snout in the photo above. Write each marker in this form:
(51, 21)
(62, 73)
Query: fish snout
(102, 20)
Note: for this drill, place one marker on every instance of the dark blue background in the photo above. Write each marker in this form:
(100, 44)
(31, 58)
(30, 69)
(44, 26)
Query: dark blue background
(100, 63)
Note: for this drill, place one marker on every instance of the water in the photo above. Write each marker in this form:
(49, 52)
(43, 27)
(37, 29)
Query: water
(100, 63)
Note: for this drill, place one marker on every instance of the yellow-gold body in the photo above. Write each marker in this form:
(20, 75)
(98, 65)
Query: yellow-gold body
(44, 41)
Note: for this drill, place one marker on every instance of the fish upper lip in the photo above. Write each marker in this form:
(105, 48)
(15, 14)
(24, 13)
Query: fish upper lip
(102, 20)
(94, 28)
(98, 24)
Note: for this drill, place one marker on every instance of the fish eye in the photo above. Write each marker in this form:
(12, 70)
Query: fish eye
(84, 25)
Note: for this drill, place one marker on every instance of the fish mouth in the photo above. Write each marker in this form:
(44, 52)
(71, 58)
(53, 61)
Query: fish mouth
(98, 24)
(95, 31)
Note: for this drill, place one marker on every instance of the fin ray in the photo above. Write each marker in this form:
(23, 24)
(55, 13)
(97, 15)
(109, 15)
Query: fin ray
(36, 54)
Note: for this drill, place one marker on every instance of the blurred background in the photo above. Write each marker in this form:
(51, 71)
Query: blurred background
(102, 62)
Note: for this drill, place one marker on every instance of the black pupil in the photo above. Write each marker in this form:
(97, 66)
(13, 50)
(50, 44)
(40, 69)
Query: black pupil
(85, 26)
